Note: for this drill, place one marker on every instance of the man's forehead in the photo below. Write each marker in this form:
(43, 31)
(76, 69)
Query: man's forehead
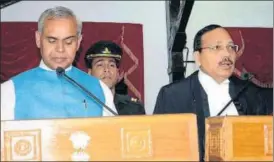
(61, 38)
(217, 42)
(218, 36)
(60, 25)
(68, 19)
(97, 59)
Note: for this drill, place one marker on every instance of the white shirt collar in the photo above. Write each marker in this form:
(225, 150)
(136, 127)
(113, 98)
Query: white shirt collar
(208, 82)
(44, 66)
(217, 94)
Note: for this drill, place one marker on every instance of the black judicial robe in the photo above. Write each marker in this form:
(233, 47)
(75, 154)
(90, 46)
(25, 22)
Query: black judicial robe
(188, 96)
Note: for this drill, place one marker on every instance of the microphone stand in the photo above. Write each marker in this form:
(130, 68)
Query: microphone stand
(234, 98)
(61, 72)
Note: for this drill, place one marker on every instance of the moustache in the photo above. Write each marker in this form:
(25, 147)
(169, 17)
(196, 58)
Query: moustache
(106, 77)
(226, 61)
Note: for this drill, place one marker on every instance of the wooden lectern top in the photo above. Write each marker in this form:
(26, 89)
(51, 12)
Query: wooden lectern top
(122, 138)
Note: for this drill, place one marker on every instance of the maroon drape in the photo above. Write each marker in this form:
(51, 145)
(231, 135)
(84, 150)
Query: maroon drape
(19, 52)
(256, 54)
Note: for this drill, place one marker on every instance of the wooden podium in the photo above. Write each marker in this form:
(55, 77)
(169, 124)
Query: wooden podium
(122, 138)
(239, 138)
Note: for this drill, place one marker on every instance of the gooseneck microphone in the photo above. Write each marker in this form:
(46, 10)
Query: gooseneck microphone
(61, 73)
(244, 76)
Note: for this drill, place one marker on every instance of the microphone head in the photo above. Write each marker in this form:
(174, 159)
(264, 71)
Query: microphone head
(246, 76)
(60, 71)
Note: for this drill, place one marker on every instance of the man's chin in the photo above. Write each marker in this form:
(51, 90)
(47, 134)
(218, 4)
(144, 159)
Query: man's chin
(108, 84)
(226, 75)
(54, 65)
(64, 66)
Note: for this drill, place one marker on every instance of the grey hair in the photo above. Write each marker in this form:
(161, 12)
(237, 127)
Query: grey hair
(58, 12)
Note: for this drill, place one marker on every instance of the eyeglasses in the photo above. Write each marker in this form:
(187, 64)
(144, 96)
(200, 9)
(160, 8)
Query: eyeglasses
(230, 48)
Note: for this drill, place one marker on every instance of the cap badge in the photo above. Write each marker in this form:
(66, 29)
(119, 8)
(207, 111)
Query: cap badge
(106, 51)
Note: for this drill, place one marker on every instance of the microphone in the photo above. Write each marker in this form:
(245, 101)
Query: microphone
(244, 76)
(61, 72)
(247, 76)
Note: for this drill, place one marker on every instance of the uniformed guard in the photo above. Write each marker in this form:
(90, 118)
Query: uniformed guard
(102, 60)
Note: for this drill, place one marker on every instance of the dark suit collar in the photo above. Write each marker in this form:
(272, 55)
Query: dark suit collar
(119, 98)
(234, 89)
(201, 107)
(119, 103)
(199, 95)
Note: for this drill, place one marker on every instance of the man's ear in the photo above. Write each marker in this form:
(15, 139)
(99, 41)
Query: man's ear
(197, 57)
(38, 39)
(79, 41)
(118, 71)
(119, 75)
(89, 71)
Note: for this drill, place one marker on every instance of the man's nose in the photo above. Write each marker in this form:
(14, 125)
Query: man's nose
(106, 68)
(226, 51)
(60, 47)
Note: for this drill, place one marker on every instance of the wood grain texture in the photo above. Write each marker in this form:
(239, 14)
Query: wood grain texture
(123, 138)
(239, 138)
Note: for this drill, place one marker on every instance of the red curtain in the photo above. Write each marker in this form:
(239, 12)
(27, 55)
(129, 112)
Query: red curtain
(19, 52)
(256, 53)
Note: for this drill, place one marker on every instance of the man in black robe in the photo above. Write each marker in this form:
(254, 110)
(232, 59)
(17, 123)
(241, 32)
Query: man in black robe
(209, 89)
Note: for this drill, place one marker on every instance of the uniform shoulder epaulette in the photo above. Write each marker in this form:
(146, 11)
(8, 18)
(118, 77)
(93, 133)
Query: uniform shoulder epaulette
(133, 99)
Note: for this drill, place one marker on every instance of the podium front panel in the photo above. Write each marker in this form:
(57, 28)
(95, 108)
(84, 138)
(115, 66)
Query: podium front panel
(123, 138)
(239, 138)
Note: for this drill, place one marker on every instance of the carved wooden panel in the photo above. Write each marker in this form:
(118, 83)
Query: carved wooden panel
(268, 139)
(243, 138)
(22, 145)
(215, 142)
(136, 143)
(123, 138)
